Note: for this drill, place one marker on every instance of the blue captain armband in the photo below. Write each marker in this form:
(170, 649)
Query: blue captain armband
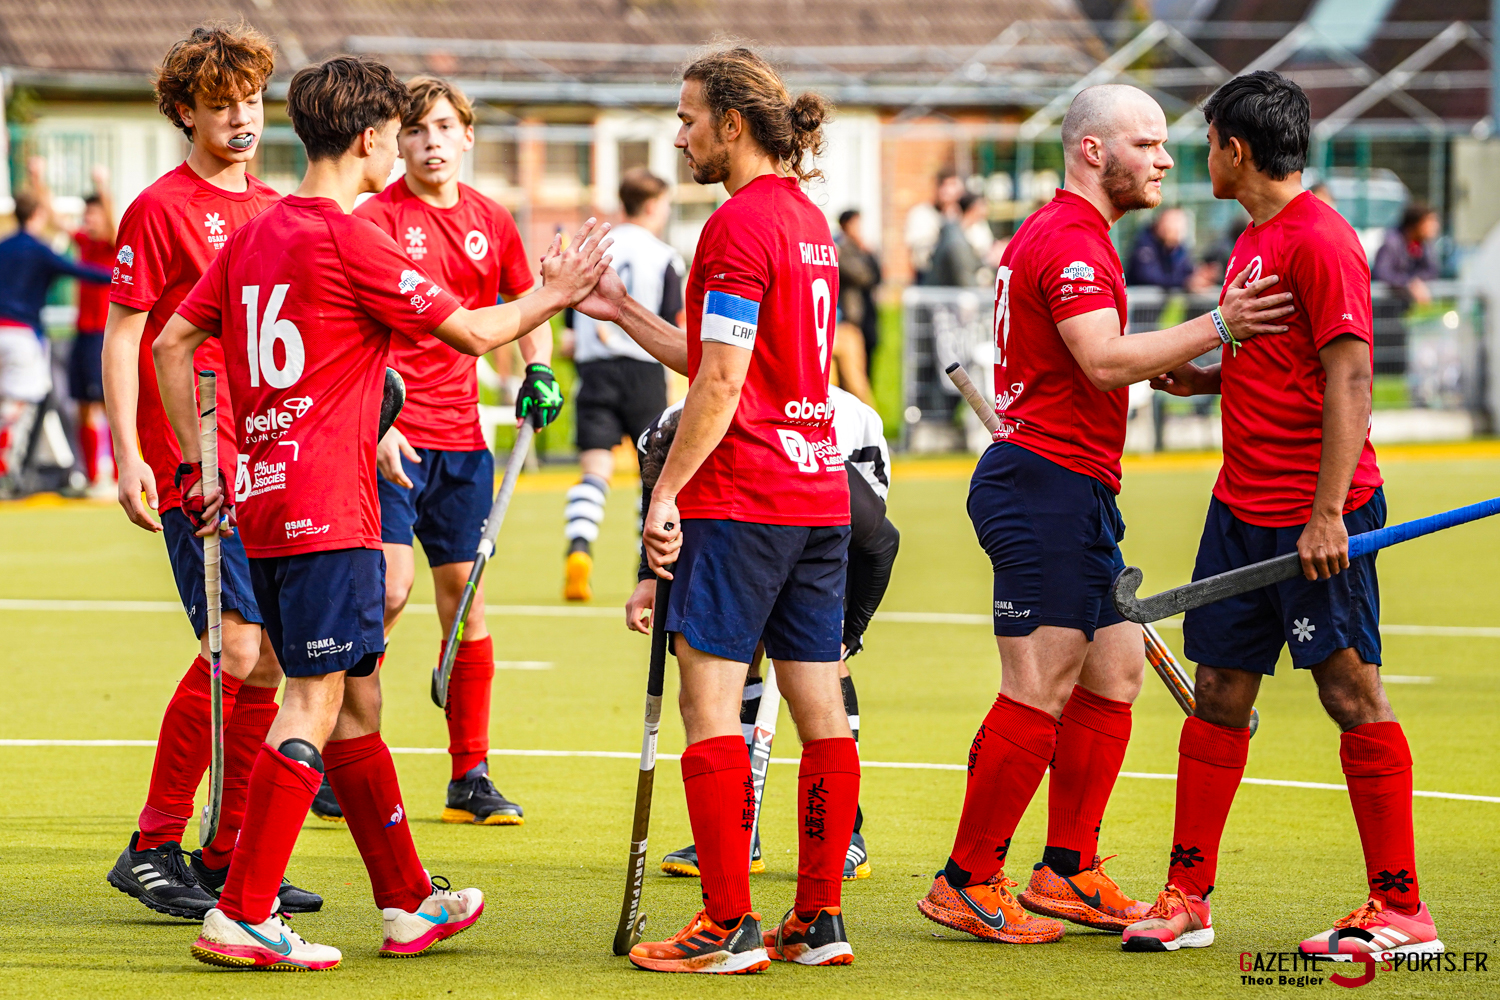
(729, 319)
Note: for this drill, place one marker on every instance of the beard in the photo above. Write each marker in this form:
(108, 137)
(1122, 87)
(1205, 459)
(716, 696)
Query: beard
(1126, 191)
(714, 169)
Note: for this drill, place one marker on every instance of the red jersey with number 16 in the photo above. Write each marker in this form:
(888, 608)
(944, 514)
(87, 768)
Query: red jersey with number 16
(304, 298)
(169, 235)
(1060, 264)
(1273, 385)
(765, 279)
(474, 251)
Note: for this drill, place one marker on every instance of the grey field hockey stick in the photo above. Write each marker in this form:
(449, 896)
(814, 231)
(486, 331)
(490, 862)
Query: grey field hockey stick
(1179, 685)
(632, 920)
(760, 742)
(444, 670)
(208, 445)
(1273, 571)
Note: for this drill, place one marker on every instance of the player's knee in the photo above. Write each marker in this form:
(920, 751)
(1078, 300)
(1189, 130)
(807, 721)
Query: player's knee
(302, 752)
(397, 592)
(241, 653)
(1225, 697)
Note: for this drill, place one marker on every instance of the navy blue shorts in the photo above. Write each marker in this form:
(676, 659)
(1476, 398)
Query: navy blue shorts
(185, 550)
(1316, 619)
(1053, 538)
(737, 583)
(86, 368)
(446, 506)
(325, 611)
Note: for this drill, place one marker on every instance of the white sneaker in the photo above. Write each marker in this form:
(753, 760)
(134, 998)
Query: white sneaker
(236, 944)
(441, 915)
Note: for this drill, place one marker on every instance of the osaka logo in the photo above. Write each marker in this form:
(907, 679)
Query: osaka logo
(1188, 857)
(126, 256)
(1078, 271)
(409, 281)
(1399, 882)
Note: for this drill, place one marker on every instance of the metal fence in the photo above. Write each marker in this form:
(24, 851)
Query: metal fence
(1429, 360)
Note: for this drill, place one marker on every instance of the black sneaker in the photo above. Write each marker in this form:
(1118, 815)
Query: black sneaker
(684, 862)
(161, 879)
(822, 942)
(326, 804)
(856, 859)
(475, 799)
(293, 899)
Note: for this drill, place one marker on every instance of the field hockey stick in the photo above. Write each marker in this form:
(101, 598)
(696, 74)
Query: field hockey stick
(760, 742)
(444, 670)
(982, 409)
(632, 920)
(1272, 571)
(208, 444)
(392, 398)
(1179, 684)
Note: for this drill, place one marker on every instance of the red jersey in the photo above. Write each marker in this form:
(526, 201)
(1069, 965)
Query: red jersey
(304, 299)
(474, 251)
(93, 300)
(1060, 264)
(766, 278)
(1273, 385)
(168, 237)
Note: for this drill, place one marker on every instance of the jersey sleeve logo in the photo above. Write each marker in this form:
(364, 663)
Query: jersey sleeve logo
(729, 319)
(409, 281)
(416, 242)
(476, 245)
(126, 256)
(1078, 271)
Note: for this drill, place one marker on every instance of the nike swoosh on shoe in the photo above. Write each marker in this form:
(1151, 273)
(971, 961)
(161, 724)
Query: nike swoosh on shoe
(1093, 900)
(442, 916)
(994, 921)
(282, 947)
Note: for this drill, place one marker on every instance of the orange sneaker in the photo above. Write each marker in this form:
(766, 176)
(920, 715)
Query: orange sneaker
(820, 942)
(704, 946)
(1374, 930)
(988, 911)
(1175, 920)
(1090, 898)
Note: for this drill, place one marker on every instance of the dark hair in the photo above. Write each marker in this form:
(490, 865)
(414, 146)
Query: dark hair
(846, 215)
(967, 199)
(639, 186)
(332, 102)
(656, 450)
(216, 63)
(946, 174)
(427, 91)
(740, 79)
(27, 205)
(1267, 112)
(1414, 213)
(94, 199)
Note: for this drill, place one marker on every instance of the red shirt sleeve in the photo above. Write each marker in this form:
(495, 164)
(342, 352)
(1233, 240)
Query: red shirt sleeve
(143, 261)
(204, 305)
(1332, 288)
(377, 211)
(386, 284)
(1079, 276)
(740, 266)
(515, 269)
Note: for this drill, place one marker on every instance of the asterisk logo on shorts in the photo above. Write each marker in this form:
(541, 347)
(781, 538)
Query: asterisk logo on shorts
(1186, 857)
(214, 222)
(1302, 630)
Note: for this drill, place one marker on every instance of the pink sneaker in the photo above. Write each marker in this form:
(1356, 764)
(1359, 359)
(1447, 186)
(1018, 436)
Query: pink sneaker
(1376, 931)
(1177, 920)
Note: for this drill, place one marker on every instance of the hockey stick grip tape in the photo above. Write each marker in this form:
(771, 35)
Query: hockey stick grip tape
(982, 409)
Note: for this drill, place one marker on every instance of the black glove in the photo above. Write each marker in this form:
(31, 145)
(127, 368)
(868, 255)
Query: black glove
(541, 398)
(186, 480)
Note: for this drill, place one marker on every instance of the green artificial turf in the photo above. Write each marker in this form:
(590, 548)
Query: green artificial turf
(1291, 861)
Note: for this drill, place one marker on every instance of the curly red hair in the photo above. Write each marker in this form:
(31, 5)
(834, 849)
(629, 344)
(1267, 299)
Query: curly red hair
(216, 64)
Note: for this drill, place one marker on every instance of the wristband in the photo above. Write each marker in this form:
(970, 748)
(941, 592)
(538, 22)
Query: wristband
(1225, 336)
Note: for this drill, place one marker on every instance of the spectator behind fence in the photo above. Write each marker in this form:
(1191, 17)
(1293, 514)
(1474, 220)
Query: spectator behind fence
(1324, 193)
(924, 223)
(1161, 256)
(1405, 261)
(859, 275)
(955, 264)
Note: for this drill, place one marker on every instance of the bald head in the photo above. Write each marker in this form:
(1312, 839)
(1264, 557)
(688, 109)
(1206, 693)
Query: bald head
(1114, 148)
(1106, 111)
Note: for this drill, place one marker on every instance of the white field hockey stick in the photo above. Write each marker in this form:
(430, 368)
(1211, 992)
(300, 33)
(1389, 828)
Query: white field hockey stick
(760, 743)
(444, 670)
(208, 444)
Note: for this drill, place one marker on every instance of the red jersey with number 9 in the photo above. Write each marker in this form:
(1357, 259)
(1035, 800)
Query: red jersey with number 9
(1060, 264)
(303, 299)
(474, 251)
(766, 279)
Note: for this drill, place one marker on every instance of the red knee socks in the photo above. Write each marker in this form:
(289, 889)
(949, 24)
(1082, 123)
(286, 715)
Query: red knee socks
(254, 711)
(1009, 755)
(281, 791)
(469, 703)
(1210, 763)
(1377, 766)
(363, 777)
(1091, 742)
(88, 444)
(182, 752)
(721, 806)
(827, 796)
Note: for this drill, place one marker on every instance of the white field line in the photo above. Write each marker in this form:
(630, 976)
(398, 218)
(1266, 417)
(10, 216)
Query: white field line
(567, 611)
(635, 755)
